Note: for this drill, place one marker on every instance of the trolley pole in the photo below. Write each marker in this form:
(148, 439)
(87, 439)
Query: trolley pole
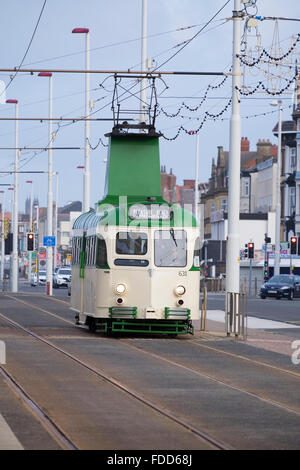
(143, 93)
(232, 258)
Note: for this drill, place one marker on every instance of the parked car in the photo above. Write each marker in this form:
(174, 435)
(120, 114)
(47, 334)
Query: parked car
(282, 285)
(42, 278)
(62, 277)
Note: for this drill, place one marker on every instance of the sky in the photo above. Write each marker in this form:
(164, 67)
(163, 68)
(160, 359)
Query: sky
(115, 41)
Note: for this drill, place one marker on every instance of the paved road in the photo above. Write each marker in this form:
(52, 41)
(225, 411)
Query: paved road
(234, 392)
(271, 309)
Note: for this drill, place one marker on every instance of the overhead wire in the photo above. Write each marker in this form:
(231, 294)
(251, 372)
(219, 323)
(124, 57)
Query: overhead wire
(27, 49)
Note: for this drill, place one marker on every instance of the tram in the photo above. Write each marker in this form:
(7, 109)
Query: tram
(135, 258)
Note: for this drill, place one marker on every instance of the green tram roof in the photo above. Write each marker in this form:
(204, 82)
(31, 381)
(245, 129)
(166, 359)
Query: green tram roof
(108, 214)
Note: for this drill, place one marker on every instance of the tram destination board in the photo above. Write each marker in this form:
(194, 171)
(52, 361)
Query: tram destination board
(150, 212)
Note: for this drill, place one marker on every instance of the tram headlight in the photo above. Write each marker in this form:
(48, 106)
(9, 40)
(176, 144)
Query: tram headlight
(120, 289)
(180, 290)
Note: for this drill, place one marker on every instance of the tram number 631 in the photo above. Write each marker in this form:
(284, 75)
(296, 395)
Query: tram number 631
(182, 273)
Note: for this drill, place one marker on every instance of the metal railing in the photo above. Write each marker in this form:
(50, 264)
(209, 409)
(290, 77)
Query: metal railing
(214, 284)
(235, 315)
(203, 316)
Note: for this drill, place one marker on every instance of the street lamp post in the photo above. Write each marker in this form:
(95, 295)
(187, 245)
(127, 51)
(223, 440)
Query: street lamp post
(30, 228)
(50, 191)
(143, 92)
(2, 239)
(37, 242)
(278, 192)
(86, 173)
(15, 228)
(56, 218)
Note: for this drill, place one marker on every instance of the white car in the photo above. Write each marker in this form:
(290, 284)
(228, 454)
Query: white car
(42, 278)
(62, 277)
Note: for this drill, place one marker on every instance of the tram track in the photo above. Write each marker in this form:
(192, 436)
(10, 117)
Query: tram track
(195, 341)
(213, 378)
(205, 437)
(47, 422)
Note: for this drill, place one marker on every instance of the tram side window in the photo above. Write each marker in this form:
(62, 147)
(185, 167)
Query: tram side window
(76, 244)
(131, 243)
(94, 251)
(87, 249)
(170, 248)
(101, 253)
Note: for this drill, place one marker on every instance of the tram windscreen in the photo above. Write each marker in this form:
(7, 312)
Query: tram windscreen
(131, 243)
(170, 248)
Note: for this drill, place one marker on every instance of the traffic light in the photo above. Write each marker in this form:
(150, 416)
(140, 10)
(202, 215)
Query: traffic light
(246, 251)
(293, 245)
(8, 244)
(267, 239)
(30, 241)
(250, 250)
(266, 271)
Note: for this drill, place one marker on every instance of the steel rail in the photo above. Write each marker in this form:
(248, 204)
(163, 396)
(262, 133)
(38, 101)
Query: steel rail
(214, 379)
(195, 371)
(51, 427)
(196, 342)
(190, 427)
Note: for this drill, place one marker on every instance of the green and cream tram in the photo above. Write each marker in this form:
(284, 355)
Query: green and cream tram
(135, 259)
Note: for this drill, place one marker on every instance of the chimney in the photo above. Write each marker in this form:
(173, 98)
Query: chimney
(245, 144)
(264, 150)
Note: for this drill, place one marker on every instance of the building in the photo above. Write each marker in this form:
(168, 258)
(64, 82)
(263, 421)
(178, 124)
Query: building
(215, 199)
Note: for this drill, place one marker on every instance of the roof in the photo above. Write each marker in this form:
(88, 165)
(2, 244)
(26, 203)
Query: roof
(75, 206)
(287, 126)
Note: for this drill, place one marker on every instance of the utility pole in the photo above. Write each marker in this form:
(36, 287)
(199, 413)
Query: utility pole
(196, 177)
(2, 239)
(143, 93)
(278, 191)
(86, 171)
(15, 260)
(55, 219)
(49, 267)
(233, 248)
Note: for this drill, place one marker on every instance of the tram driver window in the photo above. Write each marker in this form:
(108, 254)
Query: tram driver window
(101, 255)
(170, 248)
(131, 243)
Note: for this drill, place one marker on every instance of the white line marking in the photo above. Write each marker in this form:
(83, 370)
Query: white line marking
(8, 440)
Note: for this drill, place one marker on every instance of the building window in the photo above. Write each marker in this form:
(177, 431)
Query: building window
(65, 234)
(292, 200)
(224, 205)
(293, 158)
(212, 207)
(247, 187)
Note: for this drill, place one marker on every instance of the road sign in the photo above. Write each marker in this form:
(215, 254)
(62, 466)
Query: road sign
(49, 241)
